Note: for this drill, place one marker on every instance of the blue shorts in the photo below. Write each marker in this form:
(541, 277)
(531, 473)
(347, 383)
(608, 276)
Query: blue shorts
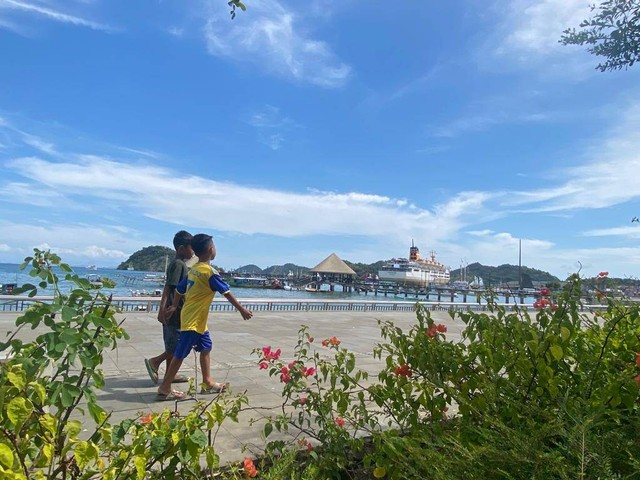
(200, 342)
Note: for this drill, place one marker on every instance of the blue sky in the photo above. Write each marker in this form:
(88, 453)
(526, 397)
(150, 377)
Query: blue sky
(305, 128)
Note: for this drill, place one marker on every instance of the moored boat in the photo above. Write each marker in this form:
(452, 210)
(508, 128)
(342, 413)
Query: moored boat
(415, 270)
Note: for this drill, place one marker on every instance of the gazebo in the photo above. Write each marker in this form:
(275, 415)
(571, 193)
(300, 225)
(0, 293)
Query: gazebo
(333, 270)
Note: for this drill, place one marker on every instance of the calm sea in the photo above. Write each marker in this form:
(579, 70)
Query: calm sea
(128, 282)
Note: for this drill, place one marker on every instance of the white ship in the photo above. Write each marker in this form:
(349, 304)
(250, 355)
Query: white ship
(415, 270)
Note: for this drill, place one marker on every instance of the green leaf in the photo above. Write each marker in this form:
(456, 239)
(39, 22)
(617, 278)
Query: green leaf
(17, 378)
(19, 410)
(73, 428)
(268, 428)
(556, 352)
(157, 446)
(199, 438)
(6, 456)
(565, 333)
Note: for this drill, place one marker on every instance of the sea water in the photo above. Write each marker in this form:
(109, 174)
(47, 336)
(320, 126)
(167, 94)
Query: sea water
(128, 283)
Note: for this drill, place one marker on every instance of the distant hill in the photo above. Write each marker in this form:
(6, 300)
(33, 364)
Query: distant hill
(149, 259)
(502, 274)
(283, 270)
(250, 269)
(364, 268)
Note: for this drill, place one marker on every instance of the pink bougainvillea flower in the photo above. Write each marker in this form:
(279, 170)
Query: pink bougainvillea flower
(285, 378)
(309, 371)
(264, 365)
(403, 370)
(249, 468)
(270, 355)
(302, 400)
(339, 421)
(441, 328)
(432, 331)
(545, 291)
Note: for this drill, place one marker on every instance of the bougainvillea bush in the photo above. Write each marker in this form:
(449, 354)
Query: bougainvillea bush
(545, 393)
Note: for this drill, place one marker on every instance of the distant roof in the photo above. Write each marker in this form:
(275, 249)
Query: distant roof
(333, 264)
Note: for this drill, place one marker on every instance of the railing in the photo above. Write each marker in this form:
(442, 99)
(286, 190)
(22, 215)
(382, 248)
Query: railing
(15, 303)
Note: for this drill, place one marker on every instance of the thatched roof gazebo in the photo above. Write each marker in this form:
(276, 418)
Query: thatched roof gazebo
(333, 268)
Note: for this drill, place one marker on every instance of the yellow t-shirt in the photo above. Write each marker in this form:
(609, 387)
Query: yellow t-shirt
(199, 288)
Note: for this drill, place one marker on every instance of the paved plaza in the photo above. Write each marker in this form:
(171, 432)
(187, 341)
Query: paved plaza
(129, 392)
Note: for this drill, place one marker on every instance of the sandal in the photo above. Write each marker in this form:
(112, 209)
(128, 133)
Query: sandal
(179, 378)
(215, 388)
(153, 374)
(173, 396)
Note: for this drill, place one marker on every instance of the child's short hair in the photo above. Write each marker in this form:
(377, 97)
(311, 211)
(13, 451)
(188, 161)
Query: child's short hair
(200, 243)
(182, 239)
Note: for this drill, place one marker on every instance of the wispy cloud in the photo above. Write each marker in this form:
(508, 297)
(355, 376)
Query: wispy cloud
(272, 126)
(528, 32)
(607, 177)
(52, 14)
(270, 37)
(628, 231)
(480, 121)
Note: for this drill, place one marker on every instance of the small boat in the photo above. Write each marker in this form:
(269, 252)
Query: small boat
(91, 267)
(145, 293)
(130, 268)
(154, 278)
(311, 288)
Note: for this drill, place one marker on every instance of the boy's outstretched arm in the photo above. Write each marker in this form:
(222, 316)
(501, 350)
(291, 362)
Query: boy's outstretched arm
(245, 312)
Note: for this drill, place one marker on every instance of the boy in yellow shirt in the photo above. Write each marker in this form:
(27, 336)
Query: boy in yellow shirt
(198, 288)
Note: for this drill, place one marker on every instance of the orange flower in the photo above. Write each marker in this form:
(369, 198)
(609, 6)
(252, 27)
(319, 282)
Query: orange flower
(249, 468)
(146, 419)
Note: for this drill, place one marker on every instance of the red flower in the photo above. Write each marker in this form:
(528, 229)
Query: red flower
(544, 292)
(441, 328)
(285, 378)
(333, 341)
(554, 307)
(302, 400)
(263, 365)
(637, 379)
(249, 468)
(403, 371)
(339, 421)
(434, 329)
(309, 371)
(310, 339)
(603, 274)
(325, 343)
(284, 370)
(638, 359)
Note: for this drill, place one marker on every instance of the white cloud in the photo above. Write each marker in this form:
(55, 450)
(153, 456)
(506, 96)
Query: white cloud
(609, 175)
(271, 37)
(4, 247)
(536, 25)
(152, 191)
(51, 14)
